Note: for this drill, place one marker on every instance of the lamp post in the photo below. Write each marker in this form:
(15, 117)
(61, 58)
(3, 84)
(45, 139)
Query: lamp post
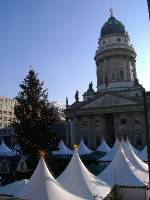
(147, 129)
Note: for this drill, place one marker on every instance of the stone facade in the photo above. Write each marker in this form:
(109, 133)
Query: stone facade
(116, 108)
(6, 118)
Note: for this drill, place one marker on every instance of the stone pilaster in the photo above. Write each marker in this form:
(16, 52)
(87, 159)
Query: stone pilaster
(68, 138)
(116, 125)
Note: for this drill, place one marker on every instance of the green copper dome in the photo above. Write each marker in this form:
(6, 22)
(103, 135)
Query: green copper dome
(112, 26)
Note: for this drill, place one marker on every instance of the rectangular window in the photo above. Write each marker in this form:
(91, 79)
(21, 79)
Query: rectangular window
(5, 125)
(123, 121)
(0, 124)
(5, 112)
(98, 123)
(0, 111)
(85, 123)
(4, 118)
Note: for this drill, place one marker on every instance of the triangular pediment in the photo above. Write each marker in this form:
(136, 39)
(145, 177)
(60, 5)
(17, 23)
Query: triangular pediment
(108, 100)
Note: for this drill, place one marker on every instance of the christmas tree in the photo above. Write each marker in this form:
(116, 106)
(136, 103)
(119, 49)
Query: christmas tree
(34, 125)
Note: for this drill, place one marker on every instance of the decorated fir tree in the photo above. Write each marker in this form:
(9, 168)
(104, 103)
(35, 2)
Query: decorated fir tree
(34, 126)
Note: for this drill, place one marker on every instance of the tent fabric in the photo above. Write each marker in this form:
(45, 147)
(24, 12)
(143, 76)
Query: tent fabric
(13, 188)
(133, 158)
(83, 149)
(136, 151)
(43, 186)
(62, 149)
(143, 154)
(22, 165)
(6, 151)
(78, 180)
(111, 154)
(103, 147)
(122, 172)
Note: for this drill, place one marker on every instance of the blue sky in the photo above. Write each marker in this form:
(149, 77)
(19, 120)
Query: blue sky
(59, 38)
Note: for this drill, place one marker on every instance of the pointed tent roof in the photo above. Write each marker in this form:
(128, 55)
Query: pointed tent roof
(103, 147)
(143, 154)
(111, 154)
(63, 149)
(83, 149)
(133, 158)
(6, 151)
(13, 188)
(122, 172)
(78, 180)
(43, 186)
(136, 151)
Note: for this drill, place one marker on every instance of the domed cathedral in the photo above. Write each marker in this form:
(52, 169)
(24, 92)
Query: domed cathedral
(116, 108)
(115, 57)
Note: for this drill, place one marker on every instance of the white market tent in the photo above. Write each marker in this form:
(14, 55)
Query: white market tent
(62, 149)
(83, 149)
(103, 147)
(136, 151)
(133, 158)
(43, 186)
(6, 151)
(78, 180)
(121, 172)
(13, 188)
(143, 154)
(111, 154)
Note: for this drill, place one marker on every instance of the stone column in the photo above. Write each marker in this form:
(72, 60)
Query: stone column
(68, 138)
(128, 69)
(105, 129)
(77, 136)
(133, 63)
(72, 138)
(91, 128)
(116, 125)
(130, 124)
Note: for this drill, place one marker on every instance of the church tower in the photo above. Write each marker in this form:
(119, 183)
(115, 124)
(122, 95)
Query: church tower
(115, 110)
(115, 58)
